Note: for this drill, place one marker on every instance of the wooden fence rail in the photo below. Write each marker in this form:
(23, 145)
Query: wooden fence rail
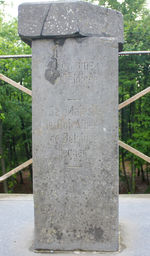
(134, 151)
(17, 169)
(16, 85)
(134, 98)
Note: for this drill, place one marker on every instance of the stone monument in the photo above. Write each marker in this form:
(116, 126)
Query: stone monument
(75, 123)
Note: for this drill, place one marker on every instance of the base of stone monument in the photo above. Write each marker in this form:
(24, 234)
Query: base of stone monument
(17, 227)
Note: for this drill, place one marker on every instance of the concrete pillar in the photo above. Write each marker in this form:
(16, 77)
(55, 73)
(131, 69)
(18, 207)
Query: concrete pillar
(75, 123)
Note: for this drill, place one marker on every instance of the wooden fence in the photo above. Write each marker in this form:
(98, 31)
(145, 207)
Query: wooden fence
(121, 105)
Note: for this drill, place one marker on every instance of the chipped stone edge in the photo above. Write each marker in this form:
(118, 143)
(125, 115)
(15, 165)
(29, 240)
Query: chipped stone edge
(28, 38)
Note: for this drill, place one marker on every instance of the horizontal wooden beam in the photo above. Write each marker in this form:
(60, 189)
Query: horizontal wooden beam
(134, 98)
(17, 169)
(16, 85)
(134, 151)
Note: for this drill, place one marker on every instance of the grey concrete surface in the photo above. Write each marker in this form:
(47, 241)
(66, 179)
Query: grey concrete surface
(17, 227)
(66, 19)
(75, 143)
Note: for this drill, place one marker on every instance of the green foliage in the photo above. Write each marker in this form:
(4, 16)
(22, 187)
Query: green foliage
(15, 105)
(134, 76)
(2, 116)
(147, 190)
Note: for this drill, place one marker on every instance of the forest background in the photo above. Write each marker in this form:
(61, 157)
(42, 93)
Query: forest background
(134, 120)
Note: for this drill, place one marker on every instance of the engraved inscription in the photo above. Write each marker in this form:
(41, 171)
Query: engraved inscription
(70, 125)
(77, 109)
(68, 138)
(85, 72)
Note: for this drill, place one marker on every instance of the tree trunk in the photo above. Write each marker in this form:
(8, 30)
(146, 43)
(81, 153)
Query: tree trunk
(124, 171)
(27, 150)
(122, 153)
(2, 158)
(16, 161)
(132, 176)
(142, 172)
(147, 173)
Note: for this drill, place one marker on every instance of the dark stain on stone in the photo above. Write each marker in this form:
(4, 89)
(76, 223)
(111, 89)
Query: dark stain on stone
(51, 73)
(97, 232)
(60, 41)
(80, 39)
(74, 232)
(58, 234)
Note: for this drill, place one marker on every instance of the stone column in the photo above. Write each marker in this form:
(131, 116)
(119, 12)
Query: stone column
(75, 123)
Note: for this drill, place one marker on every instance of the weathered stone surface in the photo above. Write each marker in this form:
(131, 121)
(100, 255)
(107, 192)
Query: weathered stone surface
(75, 123)
(68, 19)
(75, 143)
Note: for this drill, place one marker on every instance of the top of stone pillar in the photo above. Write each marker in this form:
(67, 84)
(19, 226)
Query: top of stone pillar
(68, 19)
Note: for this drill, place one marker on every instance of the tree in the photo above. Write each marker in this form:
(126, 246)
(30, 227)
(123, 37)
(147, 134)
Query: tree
(15, 105)
(134, 76)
